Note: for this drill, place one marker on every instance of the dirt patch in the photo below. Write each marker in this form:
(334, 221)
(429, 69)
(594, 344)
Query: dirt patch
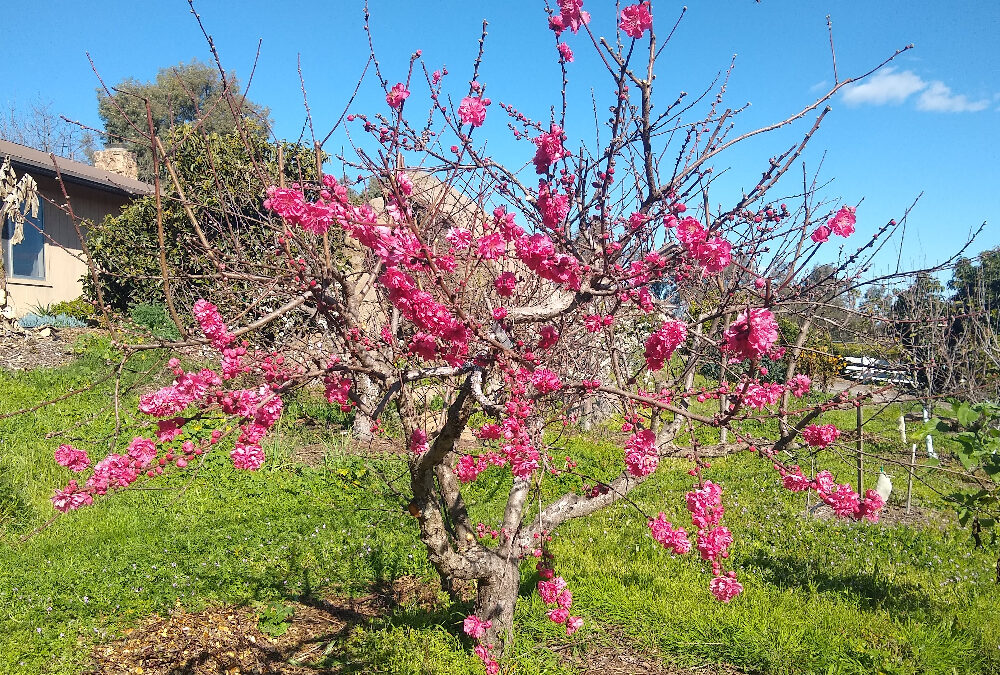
(895, 514)
(613, 653)
(229, 639)
(38, 348)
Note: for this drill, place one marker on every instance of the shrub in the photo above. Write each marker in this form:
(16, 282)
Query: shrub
(80, 309)
(56, 321)
(155, 319)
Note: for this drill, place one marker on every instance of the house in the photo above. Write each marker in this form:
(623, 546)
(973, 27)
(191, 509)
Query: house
(48, 265)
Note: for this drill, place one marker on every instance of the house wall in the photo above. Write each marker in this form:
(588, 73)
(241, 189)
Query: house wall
(64, 263)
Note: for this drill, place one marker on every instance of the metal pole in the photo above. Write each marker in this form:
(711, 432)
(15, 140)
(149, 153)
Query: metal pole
(909, 479)
(861, 457)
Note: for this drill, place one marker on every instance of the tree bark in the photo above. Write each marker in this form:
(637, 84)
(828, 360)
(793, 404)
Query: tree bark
(496, 599)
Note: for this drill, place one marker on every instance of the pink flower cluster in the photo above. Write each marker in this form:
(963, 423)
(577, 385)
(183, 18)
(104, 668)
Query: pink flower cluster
(841, 224)
(820, 435)
(636, 20)
(212, 325)
(714, 254)
(641, 455)
(751, 335)
(554, 592)
(674, 540)
(472, 110)
(845, 502)
(550, 147)
(661, 344)
(476, 628)
(760, 395)
(714, 540)
(73, 459)
(505, 284)
(571, 15)
(397, 95)
(799, 385)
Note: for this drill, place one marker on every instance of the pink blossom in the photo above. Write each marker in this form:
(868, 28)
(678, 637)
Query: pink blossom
(550, 147)
(472, 111)
(842, 223)
(572, 14)
(558, 615)
(491, 247)
(661, 344)
(545, 381)
(690, 232)
(705, 505)
(674, 540)
(423, 345)
(71, 498)
(844, 501)
(404, 182)
(824, 481)
(553, 206)
(212, 325)
(758, 396)
(565, 599)
(641, 455)
(550, 590)
(794, 480)
(714, 254)
(820, 234)
(397, 95)
(752, 334)
(459, 237)
(548, 336)
(714, 543)
(636, 20)
(799, 385)
(418, 442)
(112, 471)
(489, 663)
(567, 55)
(505, 284)
(820, 436)
(573, 624)
(870, 507)
(593, 323)
(489, 431)
(73, 459)
(247, 456)
(475, 627)
(142, 450)
(499, 313)
(725, 588)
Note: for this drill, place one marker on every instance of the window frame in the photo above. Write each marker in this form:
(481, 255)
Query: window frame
(36, 226)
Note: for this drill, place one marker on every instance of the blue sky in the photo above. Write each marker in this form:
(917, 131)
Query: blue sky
(929, 124)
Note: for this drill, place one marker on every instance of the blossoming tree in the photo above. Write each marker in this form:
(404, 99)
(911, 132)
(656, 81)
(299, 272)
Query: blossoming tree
(597, 271)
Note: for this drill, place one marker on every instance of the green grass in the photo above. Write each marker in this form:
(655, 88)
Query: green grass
(820, 596)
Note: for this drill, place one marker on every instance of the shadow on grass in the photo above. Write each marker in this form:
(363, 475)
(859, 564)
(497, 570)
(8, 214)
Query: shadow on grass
(874, 590)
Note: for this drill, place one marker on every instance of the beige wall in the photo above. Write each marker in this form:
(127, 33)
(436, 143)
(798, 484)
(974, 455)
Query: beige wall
(64, 264)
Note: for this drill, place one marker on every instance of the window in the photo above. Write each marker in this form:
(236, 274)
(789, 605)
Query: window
(27, 258)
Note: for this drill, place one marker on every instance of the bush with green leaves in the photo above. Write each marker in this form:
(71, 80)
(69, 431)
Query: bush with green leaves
(80, 309)
(222, 178)
(976, 430)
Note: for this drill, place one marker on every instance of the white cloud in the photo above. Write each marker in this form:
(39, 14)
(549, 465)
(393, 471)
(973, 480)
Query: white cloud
(885, 86)
(937, 97)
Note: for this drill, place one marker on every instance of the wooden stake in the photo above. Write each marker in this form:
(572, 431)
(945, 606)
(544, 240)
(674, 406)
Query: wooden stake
(861, 457)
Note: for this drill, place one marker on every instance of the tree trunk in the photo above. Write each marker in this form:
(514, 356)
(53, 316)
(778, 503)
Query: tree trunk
(362, 428)
(495, 601)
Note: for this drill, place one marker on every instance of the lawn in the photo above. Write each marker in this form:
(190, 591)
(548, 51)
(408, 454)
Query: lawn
(820, 595)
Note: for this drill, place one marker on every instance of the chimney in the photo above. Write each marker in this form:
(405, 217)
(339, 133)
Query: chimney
(117, 160)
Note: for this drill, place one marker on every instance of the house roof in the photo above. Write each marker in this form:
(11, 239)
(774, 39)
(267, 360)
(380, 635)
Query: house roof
(39, 163)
